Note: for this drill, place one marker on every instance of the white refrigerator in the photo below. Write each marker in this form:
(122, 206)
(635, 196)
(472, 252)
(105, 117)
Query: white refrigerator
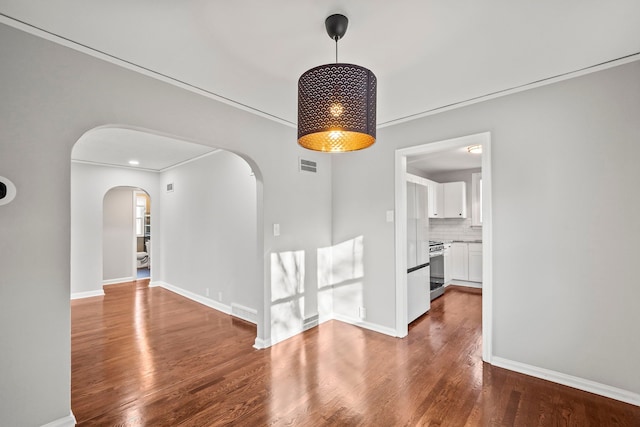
(418, 270)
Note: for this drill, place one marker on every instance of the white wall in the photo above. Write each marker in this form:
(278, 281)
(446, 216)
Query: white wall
(50, 96)
(209, 234)
(117, 235)
(564, 170)
(89, 186)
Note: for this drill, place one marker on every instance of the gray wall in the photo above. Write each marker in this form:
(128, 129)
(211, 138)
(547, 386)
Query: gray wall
(117, 235)
(209, 229)
(565, 229)
(51, 95)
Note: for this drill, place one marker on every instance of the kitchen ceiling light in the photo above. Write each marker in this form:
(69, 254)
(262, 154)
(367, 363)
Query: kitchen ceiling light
(337, 102)
(134, 162)
(475, 149)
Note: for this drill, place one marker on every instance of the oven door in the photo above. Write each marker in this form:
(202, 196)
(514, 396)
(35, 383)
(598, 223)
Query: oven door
(436, 261)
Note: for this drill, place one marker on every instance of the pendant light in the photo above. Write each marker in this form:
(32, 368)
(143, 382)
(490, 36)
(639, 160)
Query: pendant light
(337, 102)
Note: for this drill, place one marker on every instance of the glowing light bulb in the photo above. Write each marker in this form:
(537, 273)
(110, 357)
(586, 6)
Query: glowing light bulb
(475, 149)
(336, 109)
(335, 134)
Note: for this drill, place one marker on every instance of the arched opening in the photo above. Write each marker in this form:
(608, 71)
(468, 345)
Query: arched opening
(207, 218)
(126, 235)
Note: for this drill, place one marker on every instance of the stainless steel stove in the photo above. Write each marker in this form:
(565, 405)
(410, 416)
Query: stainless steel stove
(436, 260)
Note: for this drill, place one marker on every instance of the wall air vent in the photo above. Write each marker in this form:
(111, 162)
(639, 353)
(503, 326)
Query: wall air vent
(308, 166)
(170, 187)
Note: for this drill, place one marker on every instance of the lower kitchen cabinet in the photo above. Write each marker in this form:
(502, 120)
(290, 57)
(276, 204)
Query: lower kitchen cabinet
(459, 261)
(447, 263)
(466, 261)
(475, 262)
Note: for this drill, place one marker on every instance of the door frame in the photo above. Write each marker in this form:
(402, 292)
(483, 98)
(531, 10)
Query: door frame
(401, 155)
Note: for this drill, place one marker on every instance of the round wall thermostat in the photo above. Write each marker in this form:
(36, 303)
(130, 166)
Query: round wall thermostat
(7, 191)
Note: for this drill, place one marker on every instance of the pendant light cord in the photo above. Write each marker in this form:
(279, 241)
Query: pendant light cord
(336, 39)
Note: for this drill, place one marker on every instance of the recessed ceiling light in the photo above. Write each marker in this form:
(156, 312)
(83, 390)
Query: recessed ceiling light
(475, 149)
(134, 162)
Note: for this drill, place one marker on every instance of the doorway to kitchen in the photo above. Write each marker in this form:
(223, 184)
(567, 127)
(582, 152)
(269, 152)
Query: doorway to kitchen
(401, 174)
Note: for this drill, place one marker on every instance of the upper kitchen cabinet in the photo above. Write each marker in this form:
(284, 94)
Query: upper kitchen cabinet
(455, 199)
(436, 199)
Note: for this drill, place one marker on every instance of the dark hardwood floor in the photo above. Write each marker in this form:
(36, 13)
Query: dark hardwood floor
(148, 357)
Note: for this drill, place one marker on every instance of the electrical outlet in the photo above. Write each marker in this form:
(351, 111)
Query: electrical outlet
(220, 296)
(206, 292)
(362, 312)
(276, 229)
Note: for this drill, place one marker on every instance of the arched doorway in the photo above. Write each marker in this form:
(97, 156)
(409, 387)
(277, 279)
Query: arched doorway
(187, 212)
(126, 234)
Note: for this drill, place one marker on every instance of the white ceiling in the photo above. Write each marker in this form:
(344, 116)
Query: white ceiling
(117, 146)
(445, 161)
(427, 54)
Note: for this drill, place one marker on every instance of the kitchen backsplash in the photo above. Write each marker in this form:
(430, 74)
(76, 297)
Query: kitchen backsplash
(453, 229)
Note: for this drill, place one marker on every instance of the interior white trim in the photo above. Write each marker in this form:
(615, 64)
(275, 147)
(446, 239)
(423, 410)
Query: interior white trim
(466, 284)
(261, 344)
(87, 294)
(364, 324)
(194, 297)
(569, 380)
(484, 138)
(138, 69)
(118, 280)
(522, 88)
(244, 313)
(68, 421)
(108, 165)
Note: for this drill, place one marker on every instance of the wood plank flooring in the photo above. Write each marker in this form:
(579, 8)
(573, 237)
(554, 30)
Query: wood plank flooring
(148, 357)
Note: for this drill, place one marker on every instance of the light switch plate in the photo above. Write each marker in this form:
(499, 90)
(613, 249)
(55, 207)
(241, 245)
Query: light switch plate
(276, 229)
(389, 216)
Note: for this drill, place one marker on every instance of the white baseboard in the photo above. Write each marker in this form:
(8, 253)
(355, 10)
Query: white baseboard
(155, 283)
(68, 421)
(477, 285)
(87, 294)
(244, 313)
(195, 297)
(261, 344)
(118, 280)
(568, 380)
(367, 325)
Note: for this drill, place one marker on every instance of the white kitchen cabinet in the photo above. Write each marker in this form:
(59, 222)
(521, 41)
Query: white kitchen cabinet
(475, 262)
(455, 199)
(447, 263)
(466, 261)
(435, 199)
(459, 261)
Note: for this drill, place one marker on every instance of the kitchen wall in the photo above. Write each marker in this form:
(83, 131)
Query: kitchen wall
(453, 229)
